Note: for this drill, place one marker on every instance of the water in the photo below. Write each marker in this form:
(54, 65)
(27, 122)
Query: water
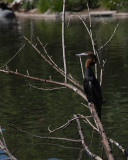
(34, 110)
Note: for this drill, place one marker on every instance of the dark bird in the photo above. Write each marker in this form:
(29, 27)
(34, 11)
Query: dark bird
(90, 83)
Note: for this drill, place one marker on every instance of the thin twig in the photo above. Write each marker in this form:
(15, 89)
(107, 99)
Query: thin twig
(48, 89)
(54, 144)
(63, 126)
(83, 140)
(51, 138)
(87, 121)
(46, 81)
(119, 146)
(53, 66)
(44, 48)
(85, 105)
(101, 72)
(81, 67)
(13, 56)
(109, 38)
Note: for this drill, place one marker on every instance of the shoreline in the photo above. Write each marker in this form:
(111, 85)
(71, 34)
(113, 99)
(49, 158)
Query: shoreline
(83, 14)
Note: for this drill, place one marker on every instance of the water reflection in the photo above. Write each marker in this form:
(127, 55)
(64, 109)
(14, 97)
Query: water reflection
(34, 110)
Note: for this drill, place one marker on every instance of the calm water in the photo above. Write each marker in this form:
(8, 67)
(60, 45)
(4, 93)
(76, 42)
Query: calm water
(34, 110)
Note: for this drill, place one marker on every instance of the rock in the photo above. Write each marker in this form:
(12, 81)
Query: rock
(6, 14)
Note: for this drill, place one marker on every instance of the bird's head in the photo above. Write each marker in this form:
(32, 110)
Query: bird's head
(91, 58)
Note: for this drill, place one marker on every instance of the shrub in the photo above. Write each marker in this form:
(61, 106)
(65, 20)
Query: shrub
(76, 5)
(53, 5)
(72, 5)
(44, 5)
(57, 5)
(115, 4)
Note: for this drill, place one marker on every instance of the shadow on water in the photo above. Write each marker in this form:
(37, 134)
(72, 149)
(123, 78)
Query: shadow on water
(34, 110)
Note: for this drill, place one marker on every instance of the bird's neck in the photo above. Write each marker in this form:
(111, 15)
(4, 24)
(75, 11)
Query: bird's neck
(88, 63)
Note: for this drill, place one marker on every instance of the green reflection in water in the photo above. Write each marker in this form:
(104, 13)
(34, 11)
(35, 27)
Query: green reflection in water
(34, 110)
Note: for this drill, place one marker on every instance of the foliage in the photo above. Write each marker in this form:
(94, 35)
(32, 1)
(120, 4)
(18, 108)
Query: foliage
(93, 4)
(115, 4)
(7, 1)
(53, 5)
(43, 5)
(57, 5)
(72, 5)
(26, 5)
(76, 5)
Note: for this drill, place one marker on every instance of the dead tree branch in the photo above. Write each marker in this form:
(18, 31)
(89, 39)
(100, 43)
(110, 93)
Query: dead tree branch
(78, 90)
(46, 89)
(3, 146)
(101, 72)
(47, 81)
(87, 121)
(102, 133)
(92, 108)
(63, 40)
(13, 56)
(62, 127)
(82, 70)
(83, 140)
(41, 137)
(119, 146)
(109, 38)
(70, 78)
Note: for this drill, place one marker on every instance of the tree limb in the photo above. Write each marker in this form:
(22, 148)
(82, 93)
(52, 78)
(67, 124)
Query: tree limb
(41, 137)
(83, 140)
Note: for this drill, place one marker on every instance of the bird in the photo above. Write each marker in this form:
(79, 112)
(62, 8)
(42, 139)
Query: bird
(91, 85)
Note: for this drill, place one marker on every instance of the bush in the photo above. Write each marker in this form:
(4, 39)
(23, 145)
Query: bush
(115, 4)
(72, 5)
(53, 5)
(57, 5)
(93, 3)
(44, 5)
(76, 5)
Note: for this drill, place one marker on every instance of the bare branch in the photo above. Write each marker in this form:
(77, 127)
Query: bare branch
(63, 146)
(30, 77)
(48, 89)
(87, 121)
(101, 72)
(63, 40)
(13, 56)
(51, 138)
(81, 67)
(3, 146)
(102, 133)
(47, 81)
(44, 48)
(85, 105)
(119, 146)
(83, 140)
(109, 38)
(63, 126)
(53, 66)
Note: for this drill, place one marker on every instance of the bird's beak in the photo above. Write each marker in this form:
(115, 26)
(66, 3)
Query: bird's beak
(82, 54)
